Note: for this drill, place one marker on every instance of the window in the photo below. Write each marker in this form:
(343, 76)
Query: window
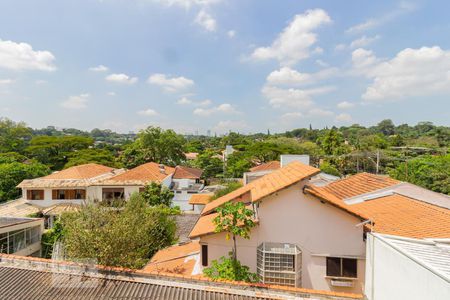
(13, 241)
(80, 194)
(204, 255)
(61, 194)
(35, 194)
(113, 193)
(341, 267)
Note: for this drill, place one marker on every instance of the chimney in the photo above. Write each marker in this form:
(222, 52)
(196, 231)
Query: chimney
(285, 159)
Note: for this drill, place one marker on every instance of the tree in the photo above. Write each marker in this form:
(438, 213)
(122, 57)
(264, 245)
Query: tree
(54, 151)
(236, 220)
(13, 173)
(155, 194)
(211, 165)
(386, 127)
(13, 136)
(229, 187)
(237, 163)
(332, 142)
(157, 145)
(125, 237)
(85, 156)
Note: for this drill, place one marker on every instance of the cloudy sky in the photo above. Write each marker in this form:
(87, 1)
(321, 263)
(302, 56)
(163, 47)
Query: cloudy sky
(220, 65)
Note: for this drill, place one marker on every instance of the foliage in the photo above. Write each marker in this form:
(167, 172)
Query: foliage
(84, 156)
(211, 165)
(237, 163)
(125, 237)
(431, 172)
(54, 151)
(13, 136)
(50, 237)
(155, 144)
(229, 269)
(332, 142)
(236, 220)
(229, 187)
(156, 194)
(13, 173)
(326, 167)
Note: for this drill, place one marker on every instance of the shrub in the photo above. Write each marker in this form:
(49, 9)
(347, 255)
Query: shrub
(230, 269)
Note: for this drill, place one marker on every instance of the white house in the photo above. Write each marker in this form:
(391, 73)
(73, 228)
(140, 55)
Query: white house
(308, 236)
(407, 268)
(186, 181)
(21, 236)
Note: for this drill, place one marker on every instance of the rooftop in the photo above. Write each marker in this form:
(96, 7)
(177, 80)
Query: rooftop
(31, 278)
(271, 165)
(141, 175)
(183, 172)
(85, 171)
(11, 221)
(200, 198)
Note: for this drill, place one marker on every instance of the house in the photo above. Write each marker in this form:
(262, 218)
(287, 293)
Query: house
(186, 181)
(21, 236)
(72, 185)
(261, 170)
(123, 185)
(315, 236)
(198, 201)
(31, 278)
(407, 268)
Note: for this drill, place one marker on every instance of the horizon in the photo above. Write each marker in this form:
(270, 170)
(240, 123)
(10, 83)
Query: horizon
(221, 66)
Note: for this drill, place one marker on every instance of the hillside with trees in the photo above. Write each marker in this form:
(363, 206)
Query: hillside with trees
(418, 153)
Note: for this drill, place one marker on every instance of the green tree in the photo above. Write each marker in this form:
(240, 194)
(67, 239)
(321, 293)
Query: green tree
(126, 237)
(326, 167)
(13, 173)
(211, 165)
(85, 156)
(156, 194)
(332, 143)
(229, 187)
(157, 145)
(54, 151)
(13, 136)
(237, 163)
(386, 127)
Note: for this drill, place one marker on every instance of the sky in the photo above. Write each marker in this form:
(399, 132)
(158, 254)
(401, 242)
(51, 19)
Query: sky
(223, 65)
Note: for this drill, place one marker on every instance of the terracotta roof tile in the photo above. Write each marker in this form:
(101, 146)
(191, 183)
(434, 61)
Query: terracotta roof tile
(183, 172)
(200, 199)
(271, 165)
(141, 175)
(393, 214)
(85, 171)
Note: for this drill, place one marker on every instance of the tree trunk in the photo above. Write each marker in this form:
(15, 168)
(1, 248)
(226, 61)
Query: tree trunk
(234, 248)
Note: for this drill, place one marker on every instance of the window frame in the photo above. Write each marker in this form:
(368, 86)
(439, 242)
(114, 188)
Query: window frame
(342, 272)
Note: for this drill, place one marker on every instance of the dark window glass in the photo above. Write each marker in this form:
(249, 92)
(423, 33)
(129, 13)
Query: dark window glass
(349, 267)
(333, 266)
(204, 255)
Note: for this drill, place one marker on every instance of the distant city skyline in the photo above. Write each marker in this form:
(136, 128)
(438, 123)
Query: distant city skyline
(215, 66)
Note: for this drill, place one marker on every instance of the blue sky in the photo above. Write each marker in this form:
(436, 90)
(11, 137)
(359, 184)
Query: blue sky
(220, 65)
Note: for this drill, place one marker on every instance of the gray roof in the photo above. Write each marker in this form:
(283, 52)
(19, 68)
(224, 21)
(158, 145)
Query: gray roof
(433, 254)
(11, 221)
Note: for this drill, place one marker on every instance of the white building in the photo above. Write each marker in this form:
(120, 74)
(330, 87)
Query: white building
(406, 268)
(186, 182)
(309, 236)
(21, 236)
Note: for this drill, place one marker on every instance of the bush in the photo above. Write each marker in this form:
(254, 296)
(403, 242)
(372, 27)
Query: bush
(156, 194)
(230, 269)
(229, 187)
(49, 238)
(326, 167)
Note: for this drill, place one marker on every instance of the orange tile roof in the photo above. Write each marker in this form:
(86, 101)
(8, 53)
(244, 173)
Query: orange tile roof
(85, 171)
(191, 155)
(200, 199)
(141, 175)
(393, 214)
(266, 185)
(271, 165)
(183, 172)
(175, 259)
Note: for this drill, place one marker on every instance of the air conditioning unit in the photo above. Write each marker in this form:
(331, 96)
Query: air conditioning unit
(341, 282)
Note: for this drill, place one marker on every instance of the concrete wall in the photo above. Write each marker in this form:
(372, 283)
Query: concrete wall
(392, 275)
(48, 201)
(318, 229)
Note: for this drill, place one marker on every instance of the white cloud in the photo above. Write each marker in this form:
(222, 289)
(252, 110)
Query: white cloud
(184, 101)
(345, 118)
(294, 43)
(228, 125)
(322, 63)
(411, 73)
(112, 94)
(205, 20)
(231, 34)
(345, 105)
(340, 47)
(76, 102)
(171, 84)
(224, 108)
(6, 81)
(288, 76)
(363, 41)
(300, 98)
(363, 61)
(147, 112)
(403, 8)
(291, 116)
(319, 112)
(187, 3)
(21, 56)
(121, 78)
(99, 68)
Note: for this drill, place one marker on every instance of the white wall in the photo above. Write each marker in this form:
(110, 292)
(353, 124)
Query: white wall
(392, 275)
(319, 230)
(33, 247)
(48, 201)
